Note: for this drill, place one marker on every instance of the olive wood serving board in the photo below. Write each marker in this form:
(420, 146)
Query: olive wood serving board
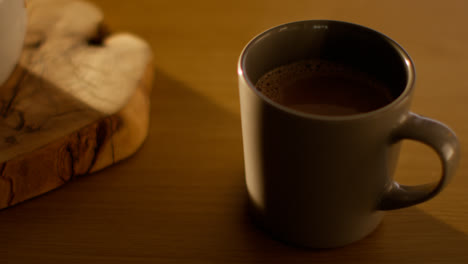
(77, 102)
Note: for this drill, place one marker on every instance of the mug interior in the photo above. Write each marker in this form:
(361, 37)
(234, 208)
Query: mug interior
(362, 48)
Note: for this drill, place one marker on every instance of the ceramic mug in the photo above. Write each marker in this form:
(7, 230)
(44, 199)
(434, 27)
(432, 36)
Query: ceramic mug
(325, 181)
(12, 32)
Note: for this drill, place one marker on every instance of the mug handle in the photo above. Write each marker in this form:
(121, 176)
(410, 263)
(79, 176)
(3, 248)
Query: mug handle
(443, 140)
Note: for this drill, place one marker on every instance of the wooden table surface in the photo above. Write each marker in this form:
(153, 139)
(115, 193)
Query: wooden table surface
(181, 198)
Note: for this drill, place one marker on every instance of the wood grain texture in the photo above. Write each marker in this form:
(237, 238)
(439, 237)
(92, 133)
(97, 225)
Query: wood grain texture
(181, 197)
(77, 102)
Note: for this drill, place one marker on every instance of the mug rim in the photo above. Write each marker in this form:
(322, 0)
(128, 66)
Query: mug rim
(408, 65)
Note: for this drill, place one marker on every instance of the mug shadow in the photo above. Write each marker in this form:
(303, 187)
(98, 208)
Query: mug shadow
(408, 234)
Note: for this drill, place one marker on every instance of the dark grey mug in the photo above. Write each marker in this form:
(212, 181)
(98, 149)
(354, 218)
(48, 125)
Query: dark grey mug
(325, 181)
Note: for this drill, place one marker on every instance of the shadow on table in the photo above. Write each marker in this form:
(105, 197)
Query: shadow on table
(170, 203)
(222, 229)
(228, 233)
(410, 235)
